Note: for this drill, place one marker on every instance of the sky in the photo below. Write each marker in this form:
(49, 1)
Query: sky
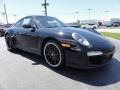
(65, 10)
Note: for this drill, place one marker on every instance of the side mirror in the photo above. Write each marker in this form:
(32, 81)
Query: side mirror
(29, 26)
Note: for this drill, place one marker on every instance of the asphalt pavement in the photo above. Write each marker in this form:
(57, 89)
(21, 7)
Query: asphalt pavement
(20, 70)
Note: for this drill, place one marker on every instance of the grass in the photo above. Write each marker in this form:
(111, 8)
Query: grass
(112, 35)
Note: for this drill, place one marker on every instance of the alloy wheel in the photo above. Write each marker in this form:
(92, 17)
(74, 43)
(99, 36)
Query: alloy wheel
(52, 54)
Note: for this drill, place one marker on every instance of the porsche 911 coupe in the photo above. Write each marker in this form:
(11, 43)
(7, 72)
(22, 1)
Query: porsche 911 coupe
(58, 43)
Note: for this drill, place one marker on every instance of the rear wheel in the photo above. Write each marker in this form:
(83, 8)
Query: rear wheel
(9, 42)
(53, 54)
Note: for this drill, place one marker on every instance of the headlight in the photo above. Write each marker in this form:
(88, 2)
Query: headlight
(80, 39)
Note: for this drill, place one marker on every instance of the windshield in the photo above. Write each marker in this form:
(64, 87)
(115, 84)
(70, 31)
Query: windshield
(48, 22)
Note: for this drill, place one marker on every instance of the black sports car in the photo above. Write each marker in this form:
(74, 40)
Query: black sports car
(59, 44)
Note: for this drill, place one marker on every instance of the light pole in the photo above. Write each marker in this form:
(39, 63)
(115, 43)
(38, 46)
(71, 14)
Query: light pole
(45, 4)
(15, 17)
(89, 11)
(106, 13)
(77, 14)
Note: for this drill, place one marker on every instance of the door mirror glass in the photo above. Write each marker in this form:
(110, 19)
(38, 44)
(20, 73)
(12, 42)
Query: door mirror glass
(27, 26)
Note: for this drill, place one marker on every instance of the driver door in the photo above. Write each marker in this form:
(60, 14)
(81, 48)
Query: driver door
(29, 37)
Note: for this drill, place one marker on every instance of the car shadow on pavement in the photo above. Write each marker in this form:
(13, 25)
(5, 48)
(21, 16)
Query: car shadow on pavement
(106, 75)
(103, 76)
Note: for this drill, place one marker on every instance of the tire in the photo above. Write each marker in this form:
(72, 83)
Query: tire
(53, 54)
(9, 42)
(0, 34)
(115, 24)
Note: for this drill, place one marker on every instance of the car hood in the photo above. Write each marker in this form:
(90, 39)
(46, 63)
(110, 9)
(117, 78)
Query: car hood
(90, 36)
(97, 41)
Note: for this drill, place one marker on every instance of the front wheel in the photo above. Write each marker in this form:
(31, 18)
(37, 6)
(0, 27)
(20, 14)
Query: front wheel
(53, 54)
(9, 42)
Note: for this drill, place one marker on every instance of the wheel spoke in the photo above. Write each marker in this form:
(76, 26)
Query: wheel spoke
(49, 58)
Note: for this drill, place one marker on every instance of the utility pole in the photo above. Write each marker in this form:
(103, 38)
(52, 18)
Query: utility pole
(5, 13)
(45, 4)
(89, 11)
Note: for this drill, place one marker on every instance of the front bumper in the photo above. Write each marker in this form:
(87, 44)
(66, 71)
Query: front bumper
(89, 59)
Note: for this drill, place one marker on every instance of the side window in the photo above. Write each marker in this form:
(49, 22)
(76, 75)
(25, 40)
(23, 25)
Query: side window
(26, 21)
(32, 22)
(29, 21)
(38, 22)
(18, 24)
